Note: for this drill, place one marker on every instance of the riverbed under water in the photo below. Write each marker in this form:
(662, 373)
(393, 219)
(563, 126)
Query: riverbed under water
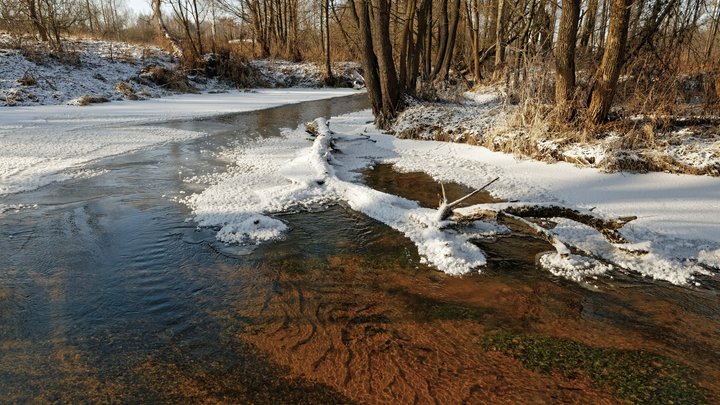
(108, 295)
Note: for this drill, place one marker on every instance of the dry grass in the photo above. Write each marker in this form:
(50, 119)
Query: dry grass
(28, 79)
(87, 100)
(171, 79)
(657, 125)
(126, 90)
(661, 122)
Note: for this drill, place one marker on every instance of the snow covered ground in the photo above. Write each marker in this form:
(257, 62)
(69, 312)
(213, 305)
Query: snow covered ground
(31, 74)
(40, 144)
(678, 216)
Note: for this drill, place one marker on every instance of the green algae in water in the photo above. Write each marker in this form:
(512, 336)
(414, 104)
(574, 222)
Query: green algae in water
(448, 311)
(636, 376)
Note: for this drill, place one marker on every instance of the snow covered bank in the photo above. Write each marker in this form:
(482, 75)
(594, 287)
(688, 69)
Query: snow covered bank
(39, 144)
(678, 221)
(32, 74)
(637, 144)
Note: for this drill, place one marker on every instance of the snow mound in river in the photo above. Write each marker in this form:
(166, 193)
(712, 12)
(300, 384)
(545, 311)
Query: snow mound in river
(289, 173)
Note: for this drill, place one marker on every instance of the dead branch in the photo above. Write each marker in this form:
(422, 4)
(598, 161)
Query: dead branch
(509, 212)
(446, 210)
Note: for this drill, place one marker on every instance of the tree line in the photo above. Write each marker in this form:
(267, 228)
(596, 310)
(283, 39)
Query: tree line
(408, 46)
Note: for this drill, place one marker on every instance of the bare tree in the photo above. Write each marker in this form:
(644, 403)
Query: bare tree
(32, 11)
(500, 41)
(607, 76)
(162, 28)
(442, 72)
(565, 52)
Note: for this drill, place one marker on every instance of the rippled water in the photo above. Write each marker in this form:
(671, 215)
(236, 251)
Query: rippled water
(107, 295)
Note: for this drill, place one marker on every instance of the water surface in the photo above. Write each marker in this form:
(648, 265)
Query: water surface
(108, 295)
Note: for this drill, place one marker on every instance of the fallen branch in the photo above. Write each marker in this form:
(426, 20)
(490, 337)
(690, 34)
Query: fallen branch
(607, 227)
(446, 210)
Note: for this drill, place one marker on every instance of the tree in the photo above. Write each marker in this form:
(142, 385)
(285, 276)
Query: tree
(603, 90)
(382, 46)
(589, 23)
(406, 42)
(32, 11)
(157, 15)
(565, 53)
(444, 69)
(500, 41)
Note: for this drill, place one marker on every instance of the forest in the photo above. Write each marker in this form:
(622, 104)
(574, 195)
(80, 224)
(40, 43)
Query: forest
(574, 71)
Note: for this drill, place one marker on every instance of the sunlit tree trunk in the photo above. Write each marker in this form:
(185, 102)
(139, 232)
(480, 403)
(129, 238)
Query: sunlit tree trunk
(406, 42)
(32, 12)
(499, 42)
(443, 29)
(383, 50)
(157, 4)
(450, 47)
(565, 52)
(603, 91)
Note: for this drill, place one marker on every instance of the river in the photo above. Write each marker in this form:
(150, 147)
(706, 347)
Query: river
(108, 295)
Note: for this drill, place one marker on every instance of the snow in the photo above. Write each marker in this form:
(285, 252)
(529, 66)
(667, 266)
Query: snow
(710, 258)
(39, 144)
(299, 175)
(573, 267)
(96, 68)
(675, 238)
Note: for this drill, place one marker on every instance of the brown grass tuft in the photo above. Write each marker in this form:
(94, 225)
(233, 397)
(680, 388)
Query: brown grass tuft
(28, 79)
(126, 91)
(87, 100)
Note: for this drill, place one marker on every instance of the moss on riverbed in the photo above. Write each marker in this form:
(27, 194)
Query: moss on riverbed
(633, 375)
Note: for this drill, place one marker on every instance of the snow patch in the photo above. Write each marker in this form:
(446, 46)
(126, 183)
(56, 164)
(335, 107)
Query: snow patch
(711, 258)
(573, 267)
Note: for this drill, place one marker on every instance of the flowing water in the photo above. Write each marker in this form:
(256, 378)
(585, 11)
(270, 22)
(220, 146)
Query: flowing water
(107, 295)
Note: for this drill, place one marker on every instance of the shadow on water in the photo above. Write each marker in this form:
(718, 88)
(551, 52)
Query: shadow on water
(107, 295)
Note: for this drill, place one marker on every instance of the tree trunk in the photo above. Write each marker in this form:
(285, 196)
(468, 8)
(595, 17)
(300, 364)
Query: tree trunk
(450, 47)
(328, 66)
(370, 64)
(32, 10)
(442, 35)
(428, 48)
(604, 22)
(89, 14)
(198, 32)
(163, 29)
(388, 76)
(490, 24)
(419, 44)
(589, 24)
(713, 31)
(500, 42)
(404, 45)
(473, 27)
(604, 89)
(551, 34)
(565, 52)
(524, 41)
